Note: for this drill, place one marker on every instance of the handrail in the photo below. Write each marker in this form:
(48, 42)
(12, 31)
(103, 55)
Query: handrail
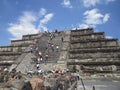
(82, 83)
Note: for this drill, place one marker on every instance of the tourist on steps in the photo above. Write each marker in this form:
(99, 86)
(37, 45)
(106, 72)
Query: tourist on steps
(46, 58)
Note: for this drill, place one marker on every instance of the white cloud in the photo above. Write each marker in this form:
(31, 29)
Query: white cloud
(106, 17)
(66, 3)
(88, 3)
(83, 26)
(27, 17)
(109, 37)
(42, 23)
(93, 17)
(23, 26)
(28, 23)
(46, 18)
(42, 11)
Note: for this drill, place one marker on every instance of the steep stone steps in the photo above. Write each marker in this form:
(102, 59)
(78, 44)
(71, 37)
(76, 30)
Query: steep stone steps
(48, 66)
(53, 55)
(23, 63)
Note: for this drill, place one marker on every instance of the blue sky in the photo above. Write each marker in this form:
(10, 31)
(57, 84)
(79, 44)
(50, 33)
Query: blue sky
(21, 17)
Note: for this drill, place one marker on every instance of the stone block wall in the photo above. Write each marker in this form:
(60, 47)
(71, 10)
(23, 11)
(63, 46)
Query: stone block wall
(91, 36)
(9, 54)
(94, 52)
(83, 31)
(95, 55)
(31, 36)
(5, 49)
(12, 48)
(93, 43)
(22, 42)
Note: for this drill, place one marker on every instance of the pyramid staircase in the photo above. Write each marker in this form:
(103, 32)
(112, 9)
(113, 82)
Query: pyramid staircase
(83, 50)
(22, 62)
(53, 56)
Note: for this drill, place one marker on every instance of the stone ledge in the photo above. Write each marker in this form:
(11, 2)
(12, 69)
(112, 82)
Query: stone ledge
(61, 62)
(93, 40)
(10, 53)
(94, 63)
(88, 34)
(10, 62)
(94, 50)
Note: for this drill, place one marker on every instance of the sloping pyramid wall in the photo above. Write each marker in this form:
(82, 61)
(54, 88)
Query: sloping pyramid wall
(23, 46)
(27, 63)
(10, 54)
(85, 50)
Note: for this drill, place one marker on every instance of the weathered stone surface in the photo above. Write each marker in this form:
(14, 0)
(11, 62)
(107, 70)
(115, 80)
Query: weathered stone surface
(31, 36)
(12, 48)
(80, 47)
(82, 31)
(67, 32)
(92, 44)
(93, 36)
(20, 42)
(94, 52)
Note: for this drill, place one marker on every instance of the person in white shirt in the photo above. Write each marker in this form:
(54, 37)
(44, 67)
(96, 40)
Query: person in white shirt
(39, 72)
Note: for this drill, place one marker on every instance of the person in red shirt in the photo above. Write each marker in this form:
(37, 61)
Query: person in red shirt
(41, 56)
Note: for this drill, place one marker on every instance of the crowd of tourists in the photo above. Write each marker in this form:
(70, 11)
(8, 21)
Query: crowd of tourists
(43, 56)
(62, 79)
(5, 75)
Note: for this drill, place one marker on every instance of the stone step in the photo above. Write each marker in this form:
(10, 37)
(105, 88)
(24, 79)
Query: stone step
(22, 42)
(93, 40)
(92, 36)
(93, 50)
(10, 53)
(95, 56)
(95, 63)
(82, 31)
(31, 36)
(48, 66)
(13, 49)
(53, 56)
(94, 47)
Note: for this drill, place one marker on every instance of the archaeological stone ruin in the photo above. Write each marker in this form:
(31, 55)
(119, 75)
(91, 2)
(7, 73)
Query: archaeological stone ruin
(82, 50)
